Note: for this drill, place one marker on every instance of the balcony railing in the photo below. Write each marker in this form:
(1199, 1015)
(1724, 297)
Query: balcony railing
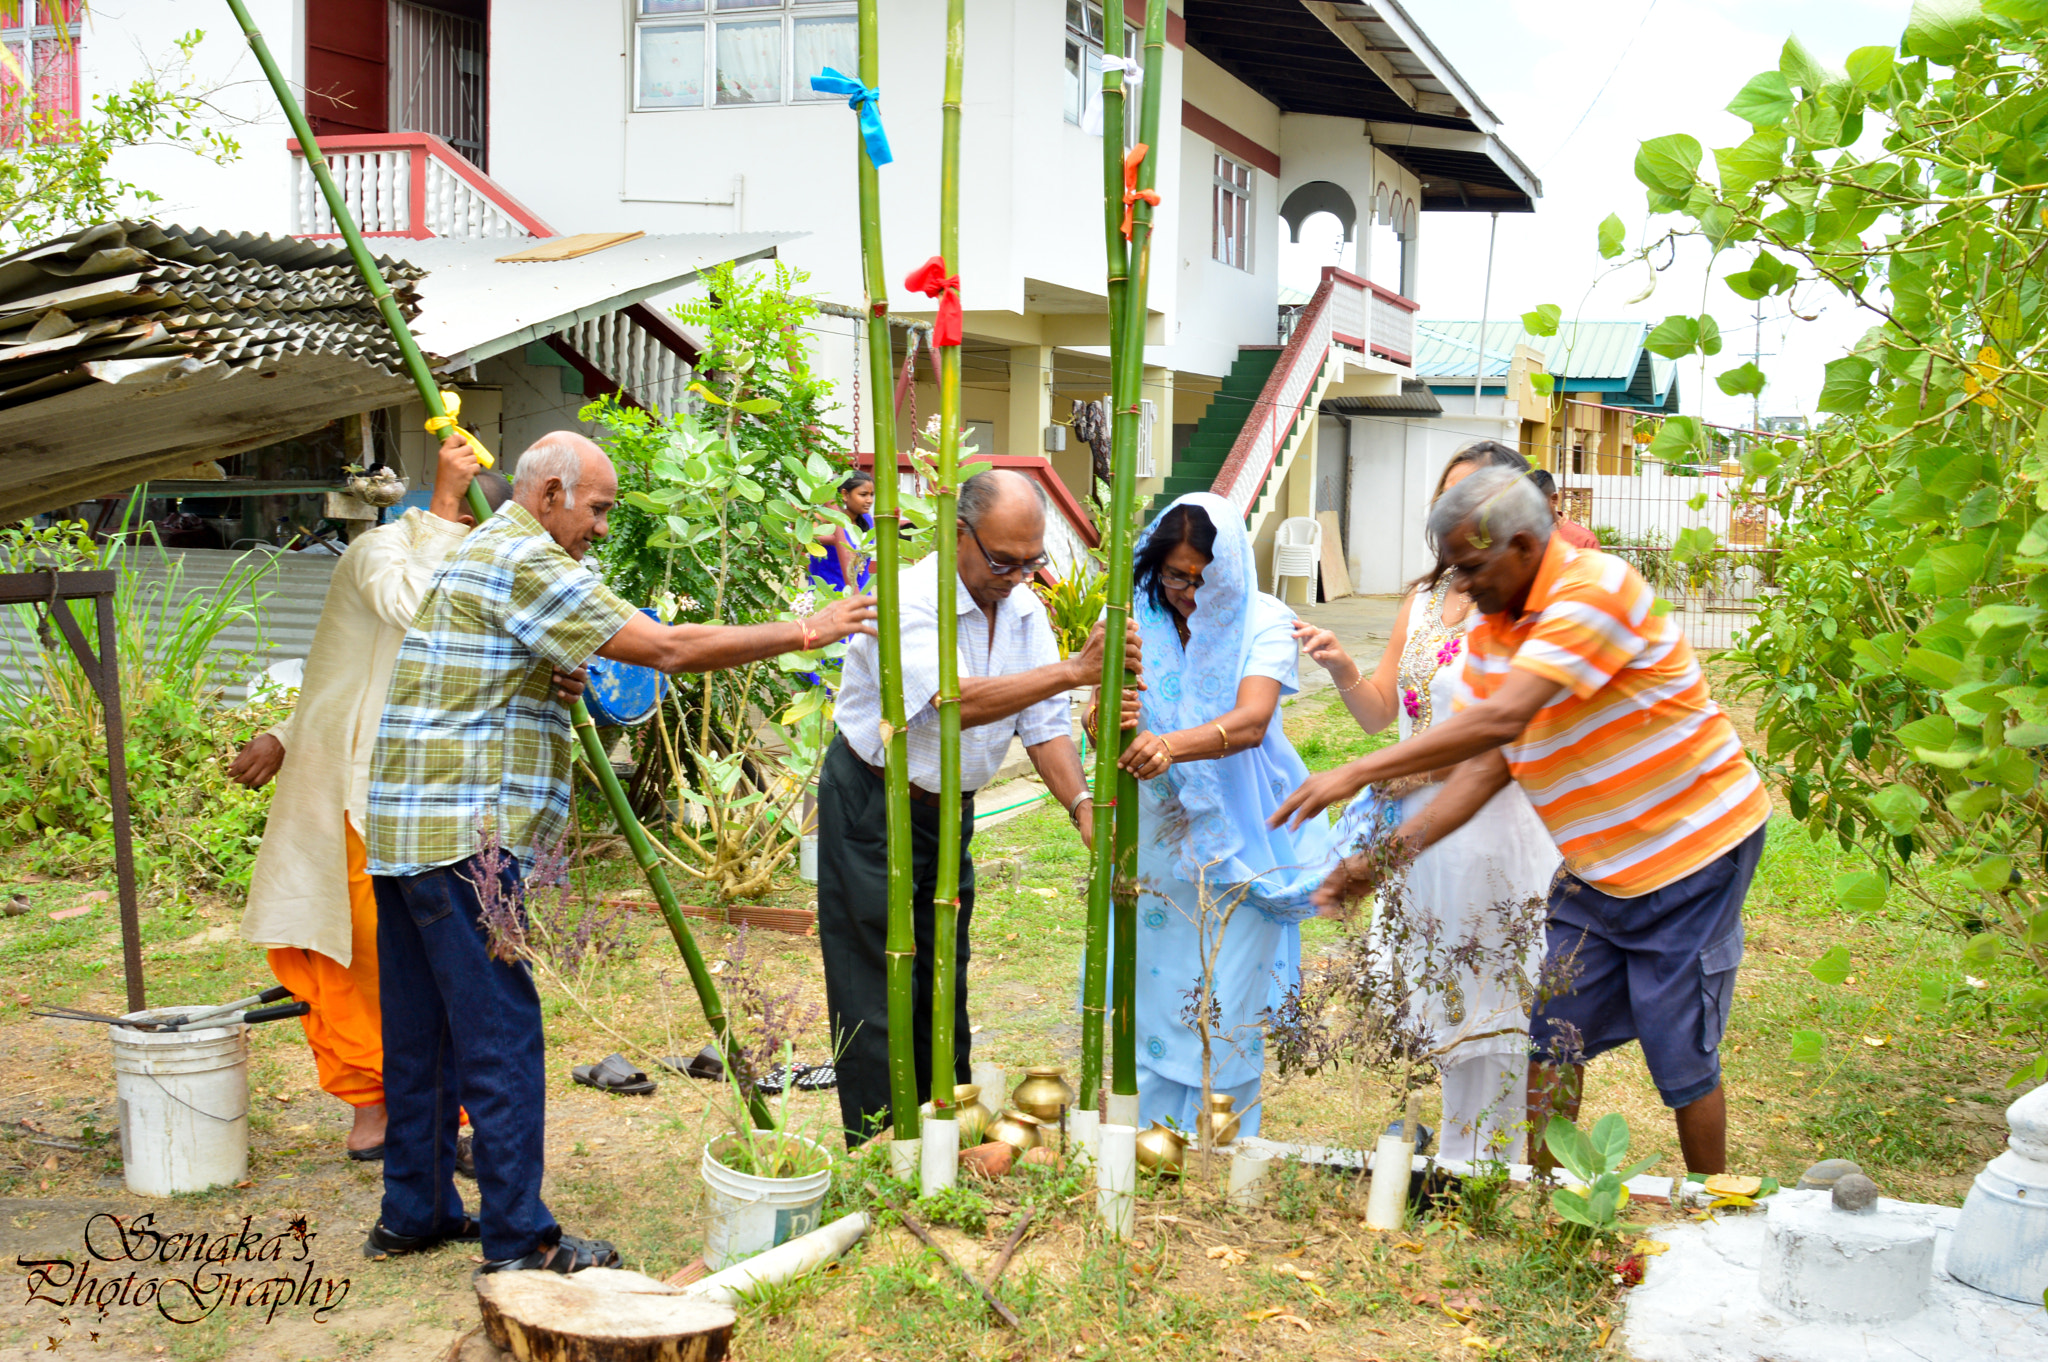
(409, 184)
(1369, 319)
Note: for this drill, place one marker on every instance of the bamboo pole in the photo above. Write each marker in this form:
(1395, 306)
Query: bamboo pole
(900, 943)
(1128, 362)
(1109, 743)
(644, 853)
(946, 886)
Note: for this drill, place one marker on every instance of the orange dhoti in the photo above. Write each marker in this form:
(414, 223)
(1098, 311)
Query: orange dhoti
(345, 1027)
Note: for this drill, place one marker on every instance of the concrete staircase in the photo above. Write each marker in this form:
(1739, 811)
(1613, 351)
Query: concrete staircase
(1196, 467)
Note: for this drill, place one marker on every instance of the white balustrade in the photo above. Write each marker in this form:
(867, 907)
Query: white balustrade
(1272, 421)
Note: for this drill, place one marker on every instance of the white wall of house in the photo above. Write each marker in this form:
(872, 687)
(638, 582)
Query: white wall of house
(1218, 307)
(1395, 462)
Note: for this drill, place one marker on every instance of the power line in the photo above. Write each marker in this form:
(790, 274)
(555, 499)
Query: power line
(1626, 47)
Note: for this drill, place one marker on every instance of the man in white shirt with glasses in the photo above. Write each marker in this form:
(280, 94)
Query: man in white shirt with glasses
(1013, 683)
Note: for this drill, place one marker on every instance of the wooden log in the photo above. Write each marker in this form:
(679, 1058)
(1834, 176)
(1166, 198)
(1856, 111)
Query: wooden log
(600, 1315)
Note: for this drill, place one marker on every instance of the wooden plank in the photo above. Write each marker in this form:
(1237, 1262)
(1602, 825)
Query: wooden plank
(568, 247)
(1336, 577)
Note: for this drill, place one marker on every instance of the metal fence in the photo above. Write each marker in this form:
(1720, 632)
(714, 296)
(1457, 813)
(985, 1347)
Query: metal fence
(1638, 515)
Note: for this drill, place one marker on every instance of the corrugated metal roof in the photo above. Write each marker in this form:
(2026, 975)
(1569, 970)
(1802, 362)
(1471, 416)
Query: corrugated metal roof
(292, 588)
(1414, 398)
(132, 351)
(1596, 351)
(473, 306)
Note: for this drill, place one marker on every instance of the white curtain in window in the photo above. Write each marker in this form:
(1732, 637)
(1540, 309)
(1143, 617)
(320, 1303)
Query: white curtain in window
(672, 67)
(750, 62)
(1091, 95)
(823, 42)
(1148, 417)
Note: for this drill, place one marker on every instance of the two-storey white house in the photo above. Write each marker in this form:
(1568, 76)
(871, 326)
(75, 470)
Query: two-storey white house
(531, 118)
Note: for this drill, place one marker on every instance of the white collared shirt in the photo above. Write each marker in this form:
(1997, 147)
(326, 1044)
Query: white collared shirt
(1023, 641)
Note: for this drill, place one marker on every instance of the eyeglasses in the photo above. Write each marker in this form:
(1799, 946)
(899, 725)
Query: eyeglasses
(1178, 581)
(1008, 569)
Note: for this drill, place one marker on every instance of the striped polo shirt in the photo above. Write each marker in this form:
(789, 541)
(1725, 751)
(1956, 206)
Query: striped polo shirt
(1638, 774)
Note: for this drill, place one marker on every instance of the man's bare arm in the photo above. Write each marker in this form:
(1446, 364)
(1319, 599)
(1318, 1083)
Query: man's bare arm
(673, 648)
(1464, 794)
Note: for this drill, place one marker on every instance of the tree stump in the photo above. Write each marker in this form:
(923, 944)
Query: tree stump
(601, 1315)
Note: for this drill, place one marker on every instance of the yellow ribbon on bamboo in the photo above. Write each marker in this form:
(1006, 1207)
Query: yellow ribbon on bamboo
(451, 402)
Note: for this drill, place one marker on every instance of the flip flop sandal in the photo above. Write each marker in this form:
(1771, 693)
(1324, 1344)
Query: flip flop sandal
(776, 1080)
(816, 1077)
(613, 1074)
(374, 1154)
(707, 1063)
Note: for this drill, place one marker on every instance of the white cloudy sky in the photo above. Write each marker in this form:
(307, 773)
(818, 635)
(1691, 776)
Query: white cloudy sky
(1667, 66)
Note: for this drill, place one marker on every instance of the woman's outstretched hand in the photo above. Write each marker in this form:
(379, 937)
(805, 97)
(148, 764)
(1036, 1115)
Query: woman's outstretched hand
(1322, 647)
(1317, 793)
(1353, 878)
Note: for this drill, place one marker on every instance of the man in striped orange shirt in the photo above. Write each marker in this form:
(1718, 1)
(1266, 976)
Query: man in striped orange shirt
(1575, 688)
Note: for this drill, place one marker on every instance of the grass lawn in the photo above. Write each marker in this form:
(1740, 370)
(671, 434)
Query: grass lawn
(1915, 1097)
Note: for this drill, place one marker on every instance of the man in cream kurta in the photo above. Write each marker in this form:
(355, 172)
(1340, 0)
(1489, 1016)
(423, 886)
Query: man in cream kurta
(309, 897)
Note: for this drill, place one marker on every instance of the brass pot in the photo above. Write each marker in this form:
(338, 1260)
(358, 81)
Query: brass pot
(1044, 1093)
(1021, 1131)
(1161, 1149)
(1218, 1125)
(973, 1115)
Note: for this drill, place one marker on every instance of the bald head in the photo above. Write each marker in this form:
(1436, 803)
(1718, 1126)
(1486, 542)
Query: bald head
(1002, 533)
(567, 483)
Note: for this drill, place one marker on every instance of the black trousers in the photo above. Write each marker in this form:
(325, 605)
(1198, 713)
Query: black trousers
(853, 929)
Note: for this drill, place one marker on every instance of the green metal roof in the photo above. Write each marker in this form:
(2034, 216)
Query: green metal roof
(1605, 358)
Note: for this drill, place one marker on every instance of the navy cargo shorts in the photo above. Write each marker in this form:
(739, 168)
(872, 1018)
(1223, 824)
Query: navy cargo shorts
(1658, 968)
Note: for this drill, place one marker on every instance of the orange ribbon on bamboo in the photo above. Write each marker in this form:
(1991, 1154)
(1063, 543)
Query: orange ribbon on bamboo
(1131, 191)
(932, 281)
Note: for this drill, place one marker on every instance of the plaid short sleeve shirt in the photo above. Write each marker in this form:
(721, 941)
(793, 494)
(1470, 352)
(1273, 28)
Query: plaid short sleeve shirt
(472, 733)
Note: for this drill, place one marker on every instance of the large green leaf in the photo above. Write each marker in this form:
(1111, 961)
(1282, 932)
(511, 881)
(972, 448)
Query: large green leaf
(1543, 320)
(1569, 1205)
(1670, 164)
(1674, 338)
(1609, 1138)
(1800, 69)
(1870, 69)
(1807, 1047)
(1899, 807)
(1941, 30)
(1570, 1147)
(1613, 237)
(1860, 891)
(1745, 379)
(1675, 438)
(1833, 966)
(1764, 102)
(1759, 157)
(1847, 384)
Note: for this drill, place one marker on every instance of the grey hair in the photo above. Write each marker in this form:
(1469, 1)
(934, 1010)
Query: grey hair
(1498, 503)
(980, 493)
(551, 456)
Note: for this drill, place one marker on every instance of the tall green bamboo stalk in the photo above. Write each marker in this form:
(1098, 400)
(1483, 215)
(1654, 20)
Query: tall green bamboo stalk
(900, 943)
(946, 886)
(1115, 881)
(430, 394)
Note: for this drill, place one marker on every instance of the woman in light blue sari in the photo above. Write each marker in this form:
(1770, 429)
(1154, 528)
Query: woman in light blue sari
(1212, 766)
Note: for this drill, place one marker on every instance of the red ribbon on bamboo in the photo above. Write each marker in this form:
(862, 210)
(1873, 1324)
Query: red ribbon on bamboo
(932, 281)
(1131, 191)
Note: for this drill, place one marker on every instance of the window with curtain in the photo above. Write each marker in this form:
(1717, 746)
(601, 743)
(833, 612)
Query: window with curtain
(1231, 240)
(689, 54)
(1084, 69)
(47, 54)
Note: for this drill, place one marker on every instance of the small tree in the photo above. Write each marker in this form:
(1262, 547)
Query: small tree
(59, 174)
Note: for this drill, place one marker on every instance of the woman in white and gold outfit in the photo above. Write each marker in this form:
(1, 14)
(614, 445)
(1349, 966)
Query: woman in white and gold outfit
(1479, 1024)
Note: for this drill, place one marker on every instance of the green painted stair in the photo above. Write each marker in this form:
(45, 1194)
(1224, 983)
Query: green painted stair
(1196, 467)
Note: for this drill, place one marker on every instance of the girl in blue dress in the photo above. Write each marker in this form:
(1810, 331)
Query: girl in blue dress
(841, 555)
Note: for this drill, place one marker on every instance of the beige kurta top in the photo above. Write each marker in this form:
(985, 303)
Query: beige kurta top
(298, 893)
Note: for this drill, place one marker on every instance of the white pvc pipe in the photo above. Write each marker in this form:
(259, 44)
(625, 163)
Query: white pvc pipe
(1122, 1110)
(1116, 1179)
(783, 1262)
(1387, 1203)
(991, 1079)
(1084, 1135)
(940, 1160)
(904, 1159)
(1248, 1168)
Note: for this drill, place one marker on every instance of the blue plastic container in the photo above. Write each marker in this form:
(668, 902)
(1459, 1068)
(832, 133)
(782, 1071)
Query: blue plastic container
(622, 695)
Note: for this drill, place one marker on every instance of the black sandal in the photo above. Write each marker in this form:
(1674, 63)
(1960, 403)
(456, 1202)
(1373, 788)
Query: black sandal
(613, 1074)
(572, 1254)
(707, 1064)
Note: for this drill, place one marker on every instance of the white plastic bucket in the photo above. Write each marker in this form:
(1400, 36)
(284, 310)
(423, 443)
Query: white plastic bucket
(807, 858)
(184, 1105)
(749, 1213)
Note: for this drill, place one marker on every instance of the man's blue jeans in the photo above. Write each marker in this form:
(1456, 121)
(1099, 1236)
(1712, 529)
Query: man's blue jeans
(460, 1030)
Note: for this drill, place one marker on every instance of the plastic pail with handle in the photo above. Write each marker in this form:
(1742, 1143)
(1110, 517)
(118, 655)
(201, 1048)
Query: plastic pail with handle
(621, 694)
(749, 1213)
(184, 1104)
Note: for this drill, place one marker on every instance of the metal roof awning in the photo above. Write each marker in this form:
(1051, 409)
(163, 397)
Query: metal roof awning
(1371, 62)
(133, 351)
(1414, 399)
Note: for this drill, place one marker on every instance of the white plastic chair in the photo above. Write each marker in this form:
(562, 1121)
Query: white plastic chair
(1297, 552)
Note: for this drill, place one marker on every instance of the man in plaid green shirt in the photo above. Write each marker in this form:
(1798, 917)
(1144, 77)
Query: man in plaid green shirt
(474, 741)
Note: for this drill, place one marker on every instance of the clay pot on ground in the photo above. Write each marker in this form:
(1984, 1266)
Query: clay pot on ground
(1218, 1125)
(1043, 1157)
(990, 1160)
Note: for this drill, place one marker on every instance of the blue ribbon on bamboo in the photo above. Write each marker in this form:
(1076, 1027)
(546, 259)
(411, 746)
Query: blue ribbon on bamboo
(863, 101)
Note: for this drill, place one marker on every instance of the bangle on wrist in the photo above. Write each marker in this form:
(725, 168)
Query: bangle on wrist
(1222, 733)
(1078, 801)
(1169, 748)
